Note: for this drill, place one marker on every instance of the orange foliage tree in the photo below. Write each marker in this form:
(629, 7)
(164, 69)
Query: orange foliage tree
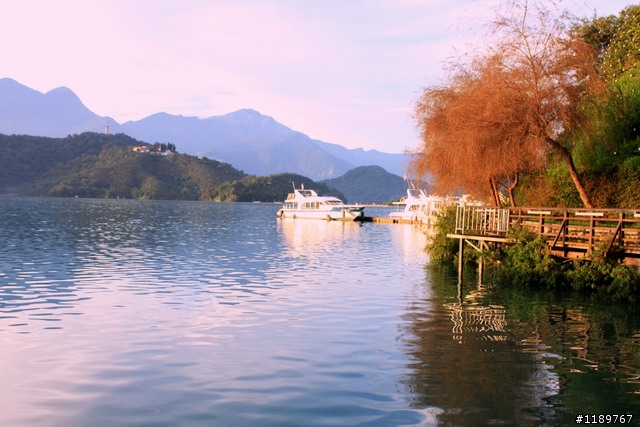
(503, 112)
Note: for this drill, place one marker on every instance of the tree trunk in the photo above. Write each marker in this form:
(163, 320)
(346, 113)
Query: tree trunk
(508, 186)
(568, 159)
(494, 192)
(512, 201)
(512, 185)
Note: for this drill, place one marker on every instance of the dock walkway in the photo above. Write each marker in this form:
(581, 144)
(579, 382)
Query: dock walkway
(570, 233)
(387, 220)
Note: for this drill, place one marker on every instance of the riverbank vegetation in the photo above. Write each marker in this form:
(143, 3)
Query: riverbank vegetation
(525, 262)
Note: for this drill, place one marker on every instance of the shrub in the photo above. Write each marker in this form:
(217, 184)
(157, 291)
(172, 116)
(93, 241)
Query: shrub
(525, 261)
(605, 278)
(441, 247)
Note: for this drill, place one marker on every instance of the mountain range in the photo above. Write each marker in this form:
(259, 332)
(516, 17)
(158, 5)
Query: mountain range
(250, 141)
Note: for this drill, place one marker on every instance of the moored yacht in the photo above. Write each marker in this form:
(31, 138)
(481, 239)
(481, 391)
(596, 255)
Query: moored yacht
(307, 204)
(417, 206)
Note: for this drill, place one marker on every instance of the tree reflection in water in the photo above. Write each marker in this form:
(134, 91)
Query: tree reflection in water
(516, 358)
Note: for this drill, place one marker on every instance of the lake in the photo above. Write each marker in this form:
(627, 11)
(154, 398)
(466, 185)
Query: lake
(151, 313)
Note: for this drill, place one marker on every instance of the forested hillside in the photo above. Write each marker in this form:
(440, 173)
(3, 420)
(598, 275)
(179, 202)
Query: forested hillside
(369, 184)
(107, 166)
(269, 188)
(99, 165)
(26, 158)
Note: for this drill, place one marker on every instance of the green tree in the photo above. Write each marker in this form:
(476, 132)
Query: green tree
(622, 47)
(611, 123)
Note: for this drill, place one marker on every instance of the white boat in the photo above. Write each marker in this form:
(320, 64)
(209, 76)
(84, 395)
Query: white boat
(307, 204)
(417, 206)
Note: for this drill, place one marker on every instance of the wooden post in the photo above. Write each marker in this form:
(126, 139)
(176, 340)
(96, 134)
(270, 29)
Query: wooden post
(591, 237)
(460, 258)
(565, 224)
(621, 237)
(541, 224)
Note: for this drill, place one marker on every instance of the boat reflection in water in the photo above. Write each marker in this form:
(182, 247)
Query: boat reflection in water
(318, 239)
(314, 238)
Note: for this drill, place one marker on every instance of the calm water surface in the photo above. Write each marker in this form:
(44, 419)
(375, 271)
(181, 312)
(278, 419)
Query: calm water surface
(116, 312)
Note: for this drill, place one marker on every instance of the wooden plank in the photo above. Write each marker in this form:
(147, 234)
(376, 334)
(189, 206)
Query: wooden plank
(589, 214)
(562, 227)
(615, 233)
(480, 238)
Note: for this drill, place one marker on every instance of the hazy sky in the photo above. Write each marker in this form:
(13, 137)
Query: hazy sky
(342, 71)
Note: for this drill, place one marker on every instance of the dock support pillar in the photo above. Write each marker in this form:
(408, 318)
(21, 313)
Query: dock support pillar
(460, 258)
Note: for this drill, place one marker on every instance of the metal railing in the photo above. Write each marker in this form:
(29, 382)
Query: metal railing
(480, 220)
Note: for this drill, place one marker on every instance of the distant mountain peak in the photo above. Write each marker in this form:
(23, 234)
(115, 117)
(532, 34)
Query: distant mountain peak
(248, 116)
(247, 139)
(10, 88)
(61, 91)
(63, 95)
(7, 81)
(57, 113)
(247, 112)
(253, 122)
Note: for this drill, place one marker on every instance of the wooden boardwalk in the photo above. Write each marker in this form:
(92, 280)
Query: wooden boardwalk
(570, 233)
(387, 220)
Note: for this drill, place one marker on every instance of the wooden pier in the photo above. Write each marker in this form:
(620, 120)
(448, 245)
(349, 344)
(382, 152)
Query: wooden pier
(570, 233)
(387, 220)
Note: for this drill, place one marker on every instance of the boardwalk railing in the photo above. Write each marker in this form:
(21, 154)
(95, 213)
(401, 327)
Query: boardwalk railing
(568, 232)
(583, 230)
(481, 220)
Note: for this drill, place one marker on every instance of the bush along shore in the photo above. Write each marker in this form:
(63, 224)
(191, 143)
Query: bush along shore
(527, 262)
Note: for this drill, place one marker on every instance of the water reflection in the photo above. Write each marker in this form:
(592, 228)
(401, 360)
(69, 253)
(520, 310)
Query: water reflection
(473, 320)
(514, 359)
(313, 238)
(210, 314)
(139, 313)
(465, 362)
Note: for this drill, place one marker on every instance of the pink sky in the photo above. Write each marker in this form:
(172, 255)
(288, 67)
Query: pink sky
(345, 72)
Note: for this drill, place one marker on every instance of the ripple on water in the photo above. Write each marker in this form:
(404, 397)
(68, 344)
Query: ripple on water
(173, 313)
